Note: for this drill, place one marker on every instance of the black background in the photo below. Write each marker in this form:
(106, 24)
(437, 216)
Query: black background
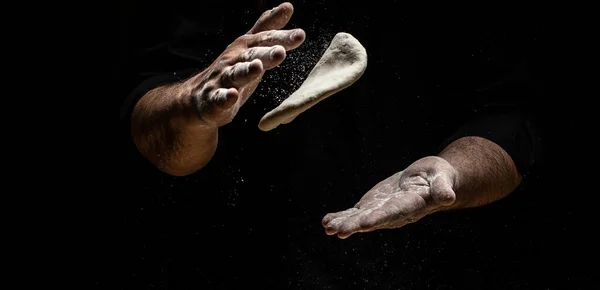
(251, 218)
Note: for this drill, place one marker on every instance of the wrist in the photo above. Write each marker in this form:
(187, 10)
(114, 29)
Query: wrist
(484, 171)
(463, 174)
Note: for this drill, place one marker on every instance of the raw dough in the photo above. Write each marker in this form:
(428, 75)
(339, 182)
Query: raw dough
(343, 63)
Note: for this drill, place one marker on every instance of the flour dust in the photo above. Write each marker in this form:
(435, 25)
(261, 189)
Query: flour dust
(280, 82)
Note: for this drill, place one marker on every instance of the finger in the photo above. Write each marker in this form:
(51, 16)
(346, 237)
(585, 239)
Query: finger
(331, 216)
(374, 220)
(223, 98)
(351, 225)
(289, 119)
(273, 19)
(270, 56)
(241, 73)
(333, 226)
(442, 192)
(394, 213)
(343, 226)
(289, 39)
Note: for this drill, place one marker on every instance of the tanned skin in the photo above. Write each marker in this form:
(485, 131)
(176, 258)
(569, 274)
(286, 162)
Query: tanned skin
(470, 172)
(176, 126)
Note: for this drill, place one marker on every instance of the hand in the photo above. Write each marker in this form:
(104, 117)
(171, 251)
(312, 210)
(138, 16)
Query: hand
(424, 187)
(219, 91)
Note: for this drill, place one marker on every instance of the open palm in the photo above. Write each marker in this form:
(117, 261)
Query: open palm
(422, 188)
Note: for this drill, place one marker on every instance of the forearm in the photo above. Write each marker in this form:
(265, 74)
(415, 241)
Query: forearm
(486, 173)
(169, 133)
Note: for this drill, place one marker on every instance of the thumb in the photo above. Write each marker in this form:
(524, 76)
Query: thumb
(442, 191)
(273, 19)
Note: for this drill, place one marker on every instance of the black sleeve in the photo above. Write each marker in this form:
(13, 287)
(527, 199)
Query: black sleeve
(508, 113)
(182, 48)
(517, 132)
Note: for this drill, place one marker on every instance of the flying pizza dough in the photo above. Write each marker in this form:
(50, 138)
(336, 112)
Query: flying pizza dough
(343, 63)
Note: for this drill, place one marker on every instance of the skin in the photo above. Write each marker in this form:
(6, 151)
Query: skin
(176, 126)
(470, 172)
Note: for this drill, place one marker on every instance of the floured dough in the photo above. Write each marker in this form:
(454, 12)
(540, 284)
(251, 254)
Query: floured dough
(343, 63)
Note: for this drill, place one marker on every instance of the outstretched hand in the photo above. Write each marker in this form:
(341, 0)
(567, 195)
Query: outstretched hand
(219, 91)
(424, 187)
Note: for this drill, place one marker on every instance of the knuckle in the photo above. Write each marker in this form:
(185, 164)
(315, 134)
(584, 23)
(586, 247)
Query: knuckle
(243, 40)
(267, 36)
(227, 75)
(203, 93)
(209, 87)
(346, 228)
(248, 54)
(216, 71)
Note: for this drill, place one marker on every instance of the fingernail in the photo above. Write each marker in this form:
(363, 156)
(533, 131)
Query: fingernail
(273, 10)
(294, 34)
(272, 53)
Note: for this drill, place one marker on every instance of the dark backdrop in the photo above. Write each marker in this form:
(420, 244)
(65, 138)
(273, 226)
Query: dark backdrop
(251, 218)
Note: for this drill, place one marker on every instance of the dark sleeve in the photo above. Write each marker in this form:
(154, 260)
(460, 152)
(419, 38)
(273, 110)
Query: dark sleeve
(171, 50)
(508, 113)
(517, 132)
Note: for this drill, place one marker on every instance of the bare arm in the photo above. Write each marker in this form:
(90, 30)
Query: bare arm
(470, 172)
(166, 131)
(486, 173)
(176, 126)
